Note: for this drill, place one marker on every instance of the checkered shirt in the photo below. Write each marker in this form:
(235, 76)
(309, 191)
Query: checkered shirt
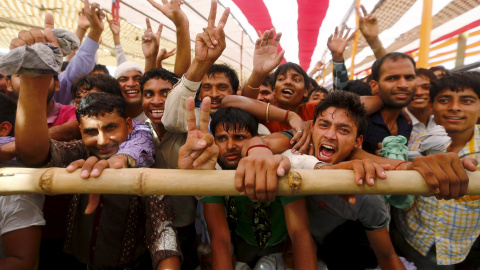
(451, 225)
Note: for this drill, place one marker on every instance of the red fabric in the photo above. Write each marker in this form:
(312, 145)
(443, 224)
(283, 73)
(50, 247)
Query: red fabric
(306, 112)
(310, 18)
(257, 15)
(67, 113)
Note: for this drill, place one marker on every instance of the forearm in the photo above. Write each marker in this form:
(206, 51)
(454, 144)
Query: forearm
(376, 46)
(66, 132)
(183, 57)
(95, 34)
(362, 154)
(304, 251)
(197, 70)
(150, 62)
(390, 262)
(258, 108)
(254, 81)
(120, 55)
(80, 33)
(169, 263)
(31, 129)
(221, 253)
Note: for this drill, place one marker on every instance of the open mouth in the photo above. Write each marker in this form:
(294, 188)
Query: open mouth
(420, 100)
(215, 104)
(402, 95)
(326, 152)
(157, 113)
(132, 93)
(287, 91)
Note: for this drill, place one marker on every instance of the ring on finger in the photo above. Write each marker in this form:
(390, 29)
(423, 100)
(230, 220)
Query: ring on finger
(299, 130)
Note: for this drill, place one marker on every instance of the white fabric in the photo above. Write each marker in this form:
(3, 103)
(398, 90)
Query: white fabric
(127, 66)
(141, 117)
(419, 127)
(120, 55)
(20, 211)
(304, 162)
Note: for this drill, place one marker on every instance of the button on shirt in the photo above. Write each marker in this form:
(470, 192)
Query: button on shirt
(377, 130)
(452, 226)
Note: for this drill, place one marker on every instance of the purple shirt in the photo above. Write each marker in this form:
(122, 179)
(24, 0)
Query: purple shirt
(139, 145)
(13, 162)
(81, 64)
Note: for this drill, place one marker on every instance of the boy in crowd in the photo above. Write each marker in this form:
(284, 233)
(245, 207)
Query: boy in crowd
(437, 234)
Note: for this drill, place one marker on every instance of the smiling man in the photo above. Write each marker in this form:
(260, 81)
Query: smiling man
(220, 81)
(393, 80)
(129, 75)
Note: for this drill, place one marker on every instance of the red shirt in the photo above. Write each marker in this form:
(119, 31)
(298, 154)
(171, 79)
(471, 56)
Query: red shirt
(306, 111)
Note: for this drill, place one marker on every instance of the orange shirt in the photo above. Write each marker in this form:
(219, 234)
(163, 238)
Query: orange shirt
(306, 112)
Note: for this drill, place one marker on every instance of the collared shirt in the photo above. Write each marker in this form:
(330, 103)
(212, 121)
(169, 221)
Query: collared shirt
(377, 130)
(417, 126)
(451, 225)
(122, 227)
(61, 114)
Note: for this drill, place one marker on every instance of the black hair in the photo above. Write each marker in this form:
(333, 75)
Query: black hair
(426, 73)
(350, 102)
(317, 89)
(102, 82)
(97, 104)
(8, 110)
(445, 71)
(456, 81)
(159, 73)
(359, 87)
(377, 65)
(228, 72)
(282, 69)
(101, 68)
(313, 83)
(64, 65)
(268, 81)
(233, 118)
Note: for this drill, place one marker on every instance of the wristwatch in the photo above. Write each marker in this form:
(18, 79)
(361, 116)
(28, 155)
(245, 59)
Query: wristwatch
(130, 160)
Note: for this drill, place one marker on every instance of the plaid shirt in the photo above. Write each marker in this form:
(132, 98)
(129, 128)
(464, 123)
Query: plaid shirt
(451, 225)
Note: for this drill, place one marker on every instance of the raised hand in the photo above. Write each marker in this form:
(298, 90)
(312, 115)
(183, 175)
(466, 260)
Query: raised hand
(337, 42)
(265, 57)
(83, 21)
(171, 9)
(163, 54)
(368, 23)
(95, 16)
(114, 26)
(200, 150)
(151, 41)
(35, 35)
(210, 44)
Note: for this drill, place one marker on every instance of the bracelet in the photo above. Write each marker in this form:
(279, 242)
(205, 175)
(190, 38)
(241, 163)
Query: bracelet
(253, 88)
(399, 164)
(257, 145)
(266, 112)
(321, 165)
(286, 117)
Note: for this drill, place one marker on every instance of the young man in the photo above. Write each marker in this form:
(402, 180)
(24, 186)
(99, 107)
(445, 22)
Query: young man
(393, 80)
(94, 83)
(129, 75)
(265, 93)
(437, 234)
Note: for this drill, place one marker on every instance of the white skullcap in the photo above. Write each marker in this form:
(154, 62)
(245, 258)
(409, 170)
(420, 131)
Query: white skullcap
(127, 66)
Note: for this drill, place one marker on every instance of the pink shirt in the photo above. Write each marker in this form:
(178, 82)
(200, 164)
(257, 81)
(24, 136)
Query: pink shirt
(61, 114)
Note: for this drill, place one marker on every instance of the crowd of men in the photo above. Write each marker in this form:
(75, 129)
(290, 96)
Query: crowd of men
(200, 117)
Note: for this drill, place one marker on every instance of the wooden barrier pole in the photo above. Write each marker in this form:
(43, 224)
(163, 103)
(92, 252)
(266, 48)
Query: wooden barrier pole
(145, 181)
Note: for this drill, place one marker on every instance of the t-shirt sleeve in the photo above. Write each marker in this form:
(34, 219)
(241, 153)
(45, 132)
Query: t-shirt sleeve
(373, 213)
(213, 199)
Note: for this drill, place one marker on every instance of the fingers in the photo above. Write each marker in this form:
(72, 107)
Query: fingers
(75, 165)
(276, 40)
(159, 31)
(49, 21)
(27, 37)
(279, 57)
(149, 26)
(88, 166)
(16, 42)
(93, 202)
(262, 169)
(205, 114)
(239, 176)
(49, 37)
(284, 167)
(190, 114)
(224, 18)
(470, 164)
(249, 181)
(210, 151)
(213, 13)
(100, 166)
(358, 171)
(364, 10)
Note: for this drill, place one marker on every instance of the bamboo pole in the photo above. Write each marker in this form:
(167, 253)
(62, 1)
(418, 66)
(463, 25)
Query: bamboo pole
(425, 29)
(145, 181)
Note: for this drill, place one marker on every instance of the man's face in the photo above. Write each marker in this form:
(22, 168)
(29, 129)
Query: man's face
(456, 111)
(396, 85)
(316, 97)
(422, 94)
(290, 88)
(265, 94)
(130, 86)
(14, 85)
(216, 86)
(230, 146)
(104, 134)
(82, 92)
(334, 135)
(155, 93)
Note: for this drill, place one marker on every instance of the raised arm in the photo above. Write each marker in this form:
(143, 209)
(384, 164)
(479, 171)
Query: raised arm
(209, 45)
(115, 29)
(369, 28)
(173, 11)
(265, 59)
(336, 44)
(150, 45)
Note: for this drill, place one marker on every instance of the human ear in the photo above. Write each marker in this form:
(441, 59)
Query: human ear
(129, 123)
(374, 86)
(5, 128)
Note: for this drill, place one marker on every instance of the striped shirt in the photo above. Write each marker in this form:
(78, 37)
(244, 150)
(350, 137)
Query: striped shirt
(452, 226)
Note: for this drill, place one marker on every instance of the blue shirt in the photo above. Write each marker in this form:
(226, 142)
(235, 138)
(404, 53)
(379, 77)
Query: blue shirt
(377, 130)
